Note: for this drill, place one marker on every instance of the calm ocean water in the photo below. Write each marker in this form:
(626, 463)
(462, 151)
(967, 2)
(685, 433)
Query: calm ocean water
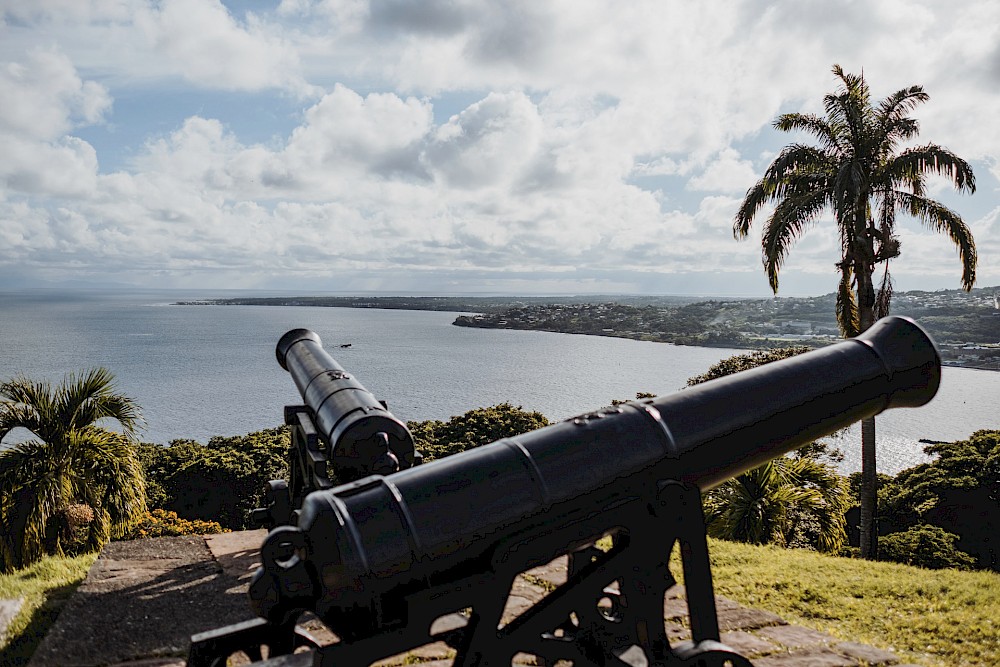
(199, 371)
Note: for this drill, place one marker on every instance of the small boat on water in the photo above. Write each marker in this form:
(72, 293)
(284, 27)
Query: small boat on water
(345, 345)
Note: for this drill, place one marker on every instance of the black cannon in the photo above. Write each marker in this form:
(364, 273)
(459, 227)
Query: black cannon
(380, 559)
(342, 425)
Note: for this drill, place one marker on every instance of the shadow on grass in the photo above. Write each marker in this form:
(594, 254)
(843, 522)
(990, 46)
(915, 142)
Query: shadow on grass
(19, 649)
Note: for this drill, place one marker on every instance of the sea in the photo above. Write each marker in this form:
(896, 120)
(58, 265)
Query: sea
(200, 371)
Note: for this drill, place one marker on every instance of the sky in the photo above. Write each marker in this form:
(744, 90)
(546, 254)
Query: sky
(456, 146)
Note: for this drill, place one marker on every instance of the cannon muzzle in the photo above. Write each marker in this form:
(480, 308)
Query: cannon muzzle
(363, 436)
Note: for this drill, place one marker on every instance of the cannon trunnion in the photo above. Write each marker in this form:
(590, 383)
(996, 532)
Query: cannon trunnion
(380, 558)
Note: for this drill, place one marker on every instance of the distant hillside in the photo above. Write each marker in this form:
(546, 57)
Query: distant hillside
(966, 325)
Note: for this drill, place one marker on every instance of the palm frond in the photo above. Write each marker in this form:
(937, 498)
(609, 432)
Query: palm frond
(934, 159)
(796, 168)
(109, 475)
(887, 244)
(16, 415)
(942, 219)
(759, 505)
(87, 399)
(850, 107)
(29, 405)
(785, 226)
(799, 160)
(33, 491)
(894, 132)
(902, 102)
(847, 188)
(892, 121)
(883, 297)
(22, 390)
(886, 216)
(755, 198)
(810, 123)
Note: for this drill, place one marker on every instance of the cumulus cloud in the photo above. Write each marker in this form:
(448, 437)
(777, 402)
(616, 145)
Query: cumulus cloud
(66, 168)
(200, 41)
(210, 48)
(595, 139)
(726, 173)
(380, 132)
(45, 97)
(486, 144)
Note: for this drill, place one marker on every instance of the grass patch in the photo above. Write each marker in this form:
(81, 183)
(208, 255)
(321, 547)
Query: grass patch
(931, 617)
(45, 587)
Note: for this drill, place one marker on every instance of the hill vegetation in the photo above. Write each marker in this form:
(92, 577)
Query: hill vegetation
(966, 325)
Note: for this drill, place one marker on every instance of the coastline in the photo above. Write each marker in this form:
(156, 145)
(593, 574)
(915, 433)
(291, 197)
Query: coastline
(965, 326)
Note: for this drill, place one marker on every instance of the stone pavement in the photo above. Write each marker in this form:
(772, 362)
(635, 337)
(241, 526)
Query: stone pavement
(142, 601)
(8, 610)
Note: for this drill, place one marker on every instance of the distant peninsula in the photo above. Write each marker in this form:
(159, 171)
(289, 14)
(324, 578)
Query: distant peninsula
(966, 325)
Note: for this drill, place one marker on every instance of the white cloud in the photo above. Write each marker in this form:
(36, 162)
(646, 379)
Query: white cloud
(199, 41)
(209, 48)
(45, 98)
(380, 132)
(66, 168)
(568, 108)
(727, 173)
(487, 144)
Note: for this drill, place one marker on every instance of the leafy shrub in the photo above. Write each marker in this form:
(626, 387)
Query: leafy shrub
(222, 481)
(436, 439)
(746, 361)
(162, 523)
(924, 546)
(959, 491)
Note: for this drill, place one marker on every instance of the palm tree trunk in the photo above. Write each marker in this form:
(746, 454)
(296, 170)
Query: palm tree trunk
(869, 480)
(869, 491)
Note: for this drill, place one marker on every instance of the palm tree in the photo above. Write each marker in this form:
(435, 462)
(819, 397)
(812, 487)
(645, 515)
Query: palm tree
(73, 461)
(769, 504)
(859, 173)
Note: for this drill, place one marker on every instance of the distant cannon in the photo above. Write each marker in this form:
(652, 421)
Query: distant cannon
(341, 425)
(381, 558)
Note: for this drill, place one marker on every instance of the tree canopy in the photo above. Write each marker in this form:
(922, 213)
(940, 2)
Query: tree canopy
(959, 492)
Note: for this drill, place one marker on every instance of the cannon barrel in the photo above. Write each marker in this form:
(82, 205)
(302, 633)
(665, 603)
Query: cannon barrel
(361, 550)
(363, 436)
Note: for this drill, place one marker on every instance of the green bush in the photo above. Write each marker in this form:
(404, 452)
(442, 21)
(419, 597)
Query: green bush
(436, 439)
(924, 546)
(746, 361)
(161, 523)
(222, 481)
(958, 491)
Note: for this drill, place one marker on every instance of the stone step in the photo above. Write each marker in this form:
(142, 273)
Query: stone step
(8, 610)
